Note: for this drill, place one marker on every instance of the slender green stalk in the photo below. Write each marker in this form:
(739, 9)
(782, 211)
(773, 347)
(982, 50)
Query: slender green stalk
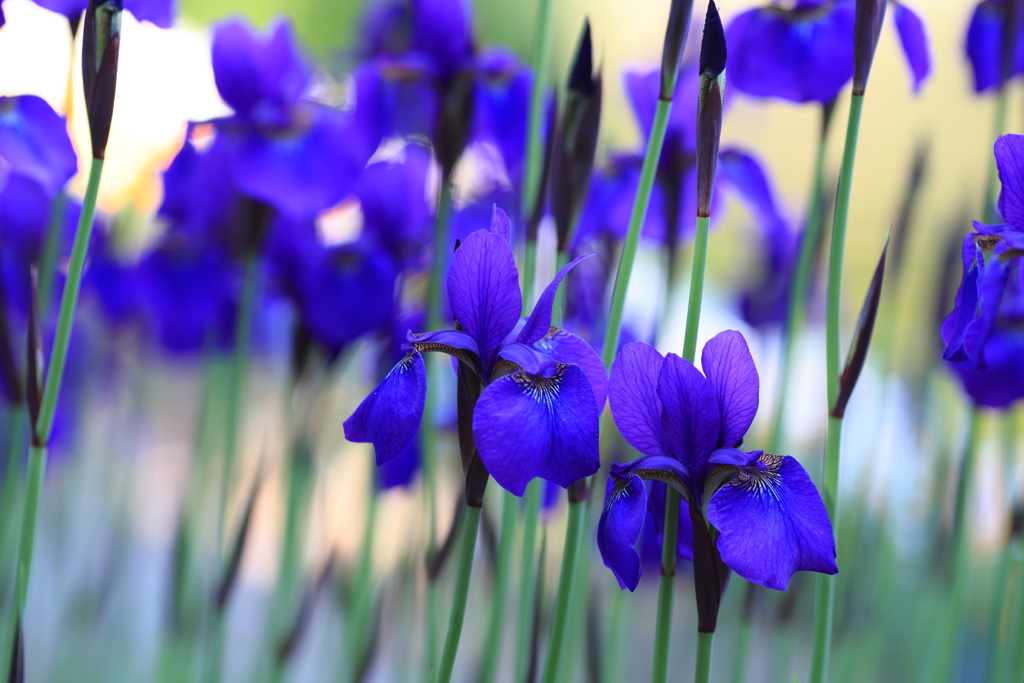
(746, 628)
(1018, 631)
(465, 570)
(534, 146)
(428, 428)
(48, 262)
(610, 660)
(51, 392)
(528, 572)
(359, 627)
(570, 555)
(577, 606)
(705, 643)
(636, 221)
(948, 658)
(499, 596)
(991, 178)
(825, 596)
(795, 312)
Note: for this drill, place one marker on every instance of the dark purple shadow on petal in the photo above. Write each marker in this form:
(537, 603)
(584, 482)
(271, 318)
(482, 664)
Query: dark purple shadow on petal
(773, 523)
(633, 396)
(390, 416)
(690, 420)
(566, 347)
(527, 426)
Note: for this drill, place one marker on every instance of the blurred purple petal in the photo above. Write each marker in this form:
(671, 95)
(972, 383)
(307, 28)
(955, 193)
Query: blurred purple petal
(34, 141)
(539, 322)
(914, 42)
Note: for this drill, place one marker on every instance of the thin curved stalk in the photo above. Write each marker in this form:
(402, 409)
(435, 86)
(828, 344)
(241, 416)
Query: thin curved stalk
(570, 555)
(528, 572)
(465, 570)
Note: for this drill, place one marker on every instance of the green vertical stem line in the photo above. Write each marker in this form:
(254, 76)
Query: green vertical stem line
(795, 312)
(1018, 631)
(666, 584)
(1003, 578)
(636, 221)
(705, 643)
(528, 574)
(529, 275)
(428, 428)
(499, 596)
(574, 646)
(743, 637)
(825, 596)
(610, 658)
(465, 570)
(948, 657)
(51, 392)
(359, 627)
(992, 177)
(570, 556)
(48, 261)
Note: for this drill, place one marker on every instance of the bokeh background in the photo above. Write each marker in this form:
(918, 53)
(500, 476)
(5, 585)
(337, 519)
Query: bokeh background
(112, 505)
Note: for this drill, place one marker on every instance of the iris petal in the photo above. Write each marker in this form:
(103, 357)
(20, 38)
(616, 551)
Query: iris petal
(690, 422)
(633, 396)
(34, 141)
(773, 523)
(730, 370)
(1009, 151)
(914, 42)
(566, 347)
(539, 322)
(390, 416)
(625, 504)
(527, 426)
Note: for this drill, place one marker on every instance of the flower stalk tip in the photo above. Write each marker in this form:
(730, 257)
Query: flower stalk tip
(867, 26)
(101, 44)
(675, 39)
(709, 107)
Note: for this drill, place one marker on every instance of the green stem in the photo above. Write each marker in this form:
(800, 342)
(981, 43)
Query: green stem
(51, 392)
(528, 572)
(705, 643)
(948, 658)
(825, 597)
(570, 555)
(465, 570)
(746, 628)
(501, 580)
(534, 146)
(1018, 631)
(442, 237)
(636, 221)
(558, 308)
(576, 627)
(795, 312)
(48, 262)
(991, 178)
(359, 631)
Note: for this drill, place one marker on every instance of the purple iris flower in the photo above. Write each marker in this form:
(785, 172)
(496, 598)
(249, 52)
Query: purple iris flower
(296, 155)
(986, 36)
(983, 333)
(158, 12)
(393, 198)
(804, 52)
(764, 510)
(543, 387)
(34, 142)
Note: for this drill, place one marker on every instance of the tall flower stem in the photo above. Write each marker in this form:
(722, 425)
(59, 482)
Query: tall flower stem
(48, 407)
(705, 641)
(825, 596)
(948, 658)
(500, 593)
(795, 312)
(528, 574)
(428, 429)
(666, 585)
(992, 177)
(465, 570)
(534, 148)
(570, 555)
(48, 260)
(359, 625)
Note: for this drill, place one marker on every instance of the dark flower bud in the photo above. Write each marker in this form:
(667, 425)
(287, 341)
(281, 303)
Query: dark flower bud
(36, 379)
(675, 40)
(453, 122)
(709, 107)
(861, 338)
(867, 26)
(101, 44)
(576, 140)
(710, 574)
(8, 368)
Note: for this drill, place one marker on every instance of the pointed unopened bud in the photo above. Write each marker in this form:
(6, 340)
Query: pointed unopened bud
(35, 380)
(576, 141)
(709, 107)
(861, 338)
(101, 45)
(453, 122)
(867, 26)
(675, 40)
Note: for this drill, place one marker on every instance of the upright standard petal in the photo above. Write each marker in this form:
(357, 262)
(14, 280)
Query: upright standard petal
(690, 420)
(773, 523)
(730, 370)
(389, 417)
(914, 42)
(1009, 151)
(625, 504)
(34, 141)
(633, 396)
(529, 426)
(483, 291)
(539, 322)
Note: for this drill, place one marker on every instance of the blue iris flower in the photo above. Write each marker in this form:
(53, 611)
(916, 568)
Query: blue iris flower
(764, 510)
(544, 387)
(804, 52)
(984, 45)
(983, 334)
(158, 12)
